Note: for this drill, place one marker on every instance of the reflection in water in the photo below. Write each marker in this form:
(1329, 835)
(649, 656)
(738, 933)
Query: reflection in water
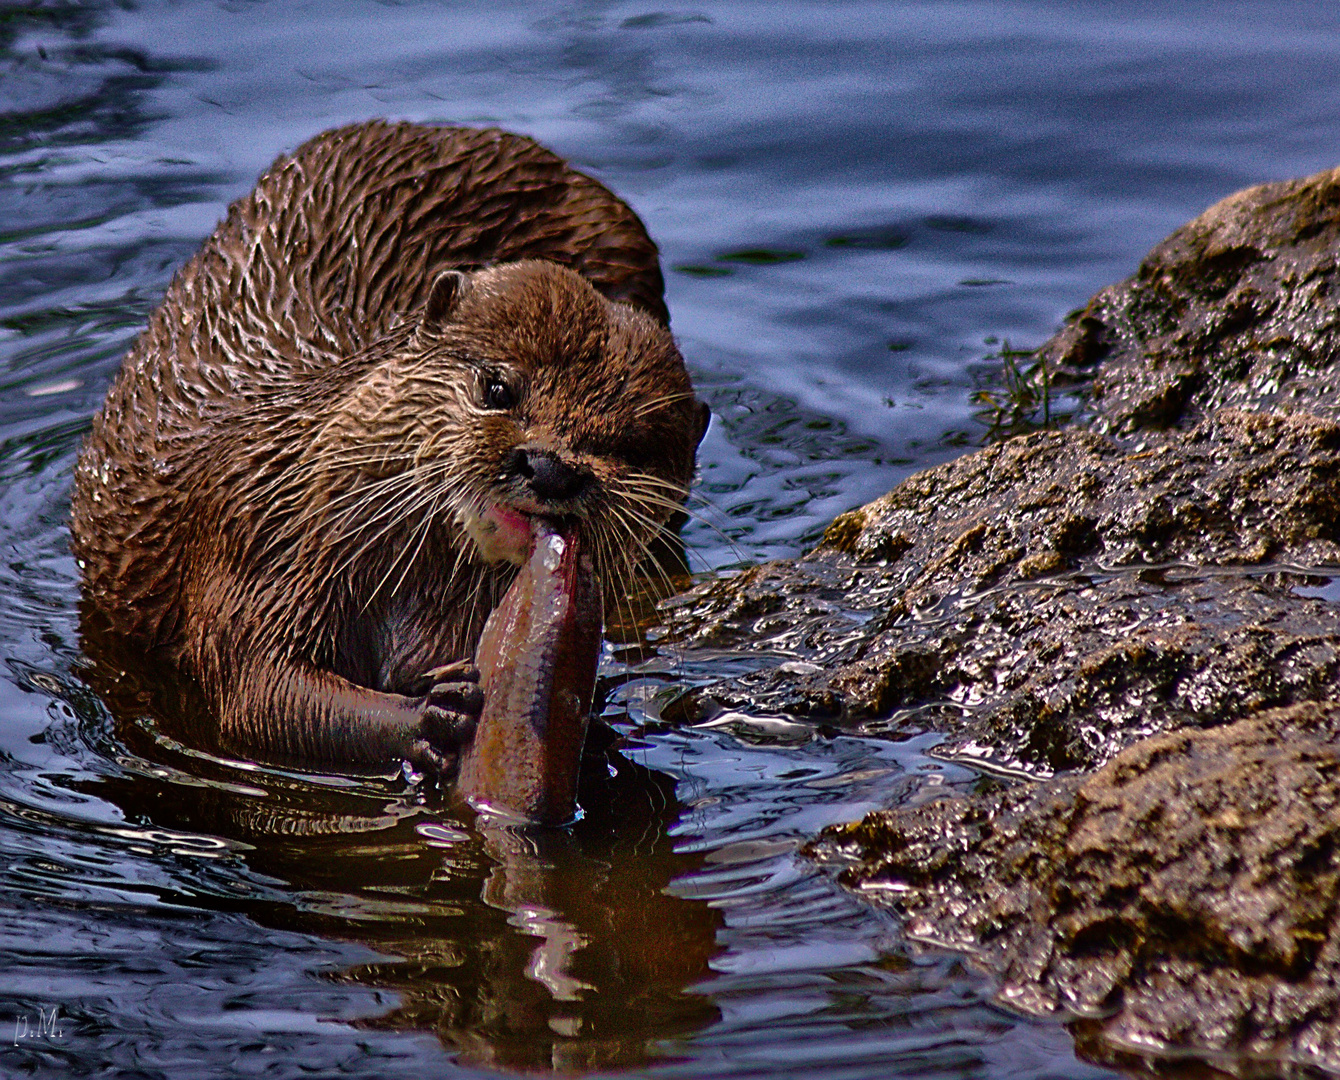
(591, 967)
(522, 948)
(673, 932)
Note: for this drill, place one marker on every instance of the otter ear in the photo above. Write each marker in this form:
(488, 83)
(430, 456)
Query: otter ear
(444, 296)
(704, 419)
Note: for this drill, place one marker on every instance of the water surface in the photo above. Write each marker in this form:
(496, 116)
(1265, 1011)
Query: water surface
(859, 205)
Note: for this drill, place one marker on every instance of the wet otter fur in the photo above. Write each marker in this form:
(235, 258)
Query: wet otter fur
(310, 479)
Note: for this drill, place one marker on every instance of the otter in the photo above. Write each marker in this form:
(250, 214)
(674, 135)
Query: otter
(322, 461)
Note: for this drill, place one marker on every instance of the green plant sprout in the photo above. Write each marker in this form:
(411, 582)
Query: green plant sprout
(1023, 401)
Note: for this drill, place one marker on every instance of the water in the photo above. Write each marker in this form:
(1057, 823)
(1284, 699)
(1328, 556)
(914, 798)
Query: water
(858, 204)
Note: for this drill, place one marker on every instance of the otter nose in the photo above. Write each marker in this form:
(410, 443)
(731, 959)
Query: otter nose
(549, 477)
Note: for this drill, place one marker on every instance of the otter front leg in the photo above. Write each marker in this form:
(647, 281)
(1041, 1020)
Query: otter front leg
(296, 713)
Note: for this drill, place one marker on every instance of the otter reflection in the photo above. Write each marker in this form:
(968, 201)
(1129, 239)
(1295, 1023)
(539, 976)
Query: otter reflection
(525, 950)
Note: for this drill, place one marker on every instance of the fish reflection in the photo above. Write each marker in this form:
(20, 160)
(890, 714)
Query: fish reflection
(523, 949)
(592, 966)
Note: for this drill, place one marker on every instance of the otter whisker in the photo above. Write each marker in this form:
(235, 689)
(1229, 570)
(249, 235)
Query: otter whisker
(390, 522)
(285, 476)
(419, 530)
(634, 622)
(476, 594)
(652, 485)
(293, 527)
(370, 508)
(391, 518)
(600, 559)
(673, 506)
(424, 529)
(382, 498)
(613, 563)
(684, 500)
(383, 491)
(622, 564)
(655, 403)
(643, 547)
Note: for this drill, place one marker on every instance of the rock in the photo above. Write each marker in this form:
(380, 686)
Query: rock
(1236, 308)
(1186, 895)
(1049, 600)
(1127, 604)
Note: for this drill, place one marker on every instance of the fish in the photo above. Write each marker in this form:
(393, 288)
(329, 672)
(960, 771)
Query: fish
(537, 660)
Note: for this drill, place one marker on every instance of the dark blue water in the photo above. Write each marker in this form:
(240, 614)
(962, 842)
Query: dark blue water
(858, 205)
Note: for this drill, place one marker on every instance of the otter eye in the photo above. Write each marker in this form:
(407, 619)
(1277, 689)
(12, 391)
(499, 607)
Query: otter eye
(497, 394)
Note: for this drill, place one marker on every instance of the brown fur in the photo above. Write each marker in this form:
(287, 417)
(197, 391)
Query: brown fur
(280, 489)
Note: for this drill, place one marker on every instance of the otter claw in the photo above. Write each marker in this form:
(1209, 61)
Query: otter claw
(451, 727)
(426, 760)
(456, 671)
(452, 707)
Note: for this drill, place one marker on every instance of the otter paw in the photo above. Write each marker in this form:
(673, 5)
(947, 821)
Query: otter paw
(430, 763)
(453, 705)
(456, 671)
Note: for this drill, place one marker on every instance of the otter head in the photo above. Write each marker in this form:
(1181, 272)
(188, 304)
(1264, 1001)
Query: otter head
(541, 398)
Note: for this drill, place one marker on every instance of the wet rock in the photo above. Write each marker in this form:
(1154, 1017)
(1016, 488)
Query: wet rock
(1049, 600)
(1019, 598)
(1185, 896)
(1235, 308)
(1128, 604)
